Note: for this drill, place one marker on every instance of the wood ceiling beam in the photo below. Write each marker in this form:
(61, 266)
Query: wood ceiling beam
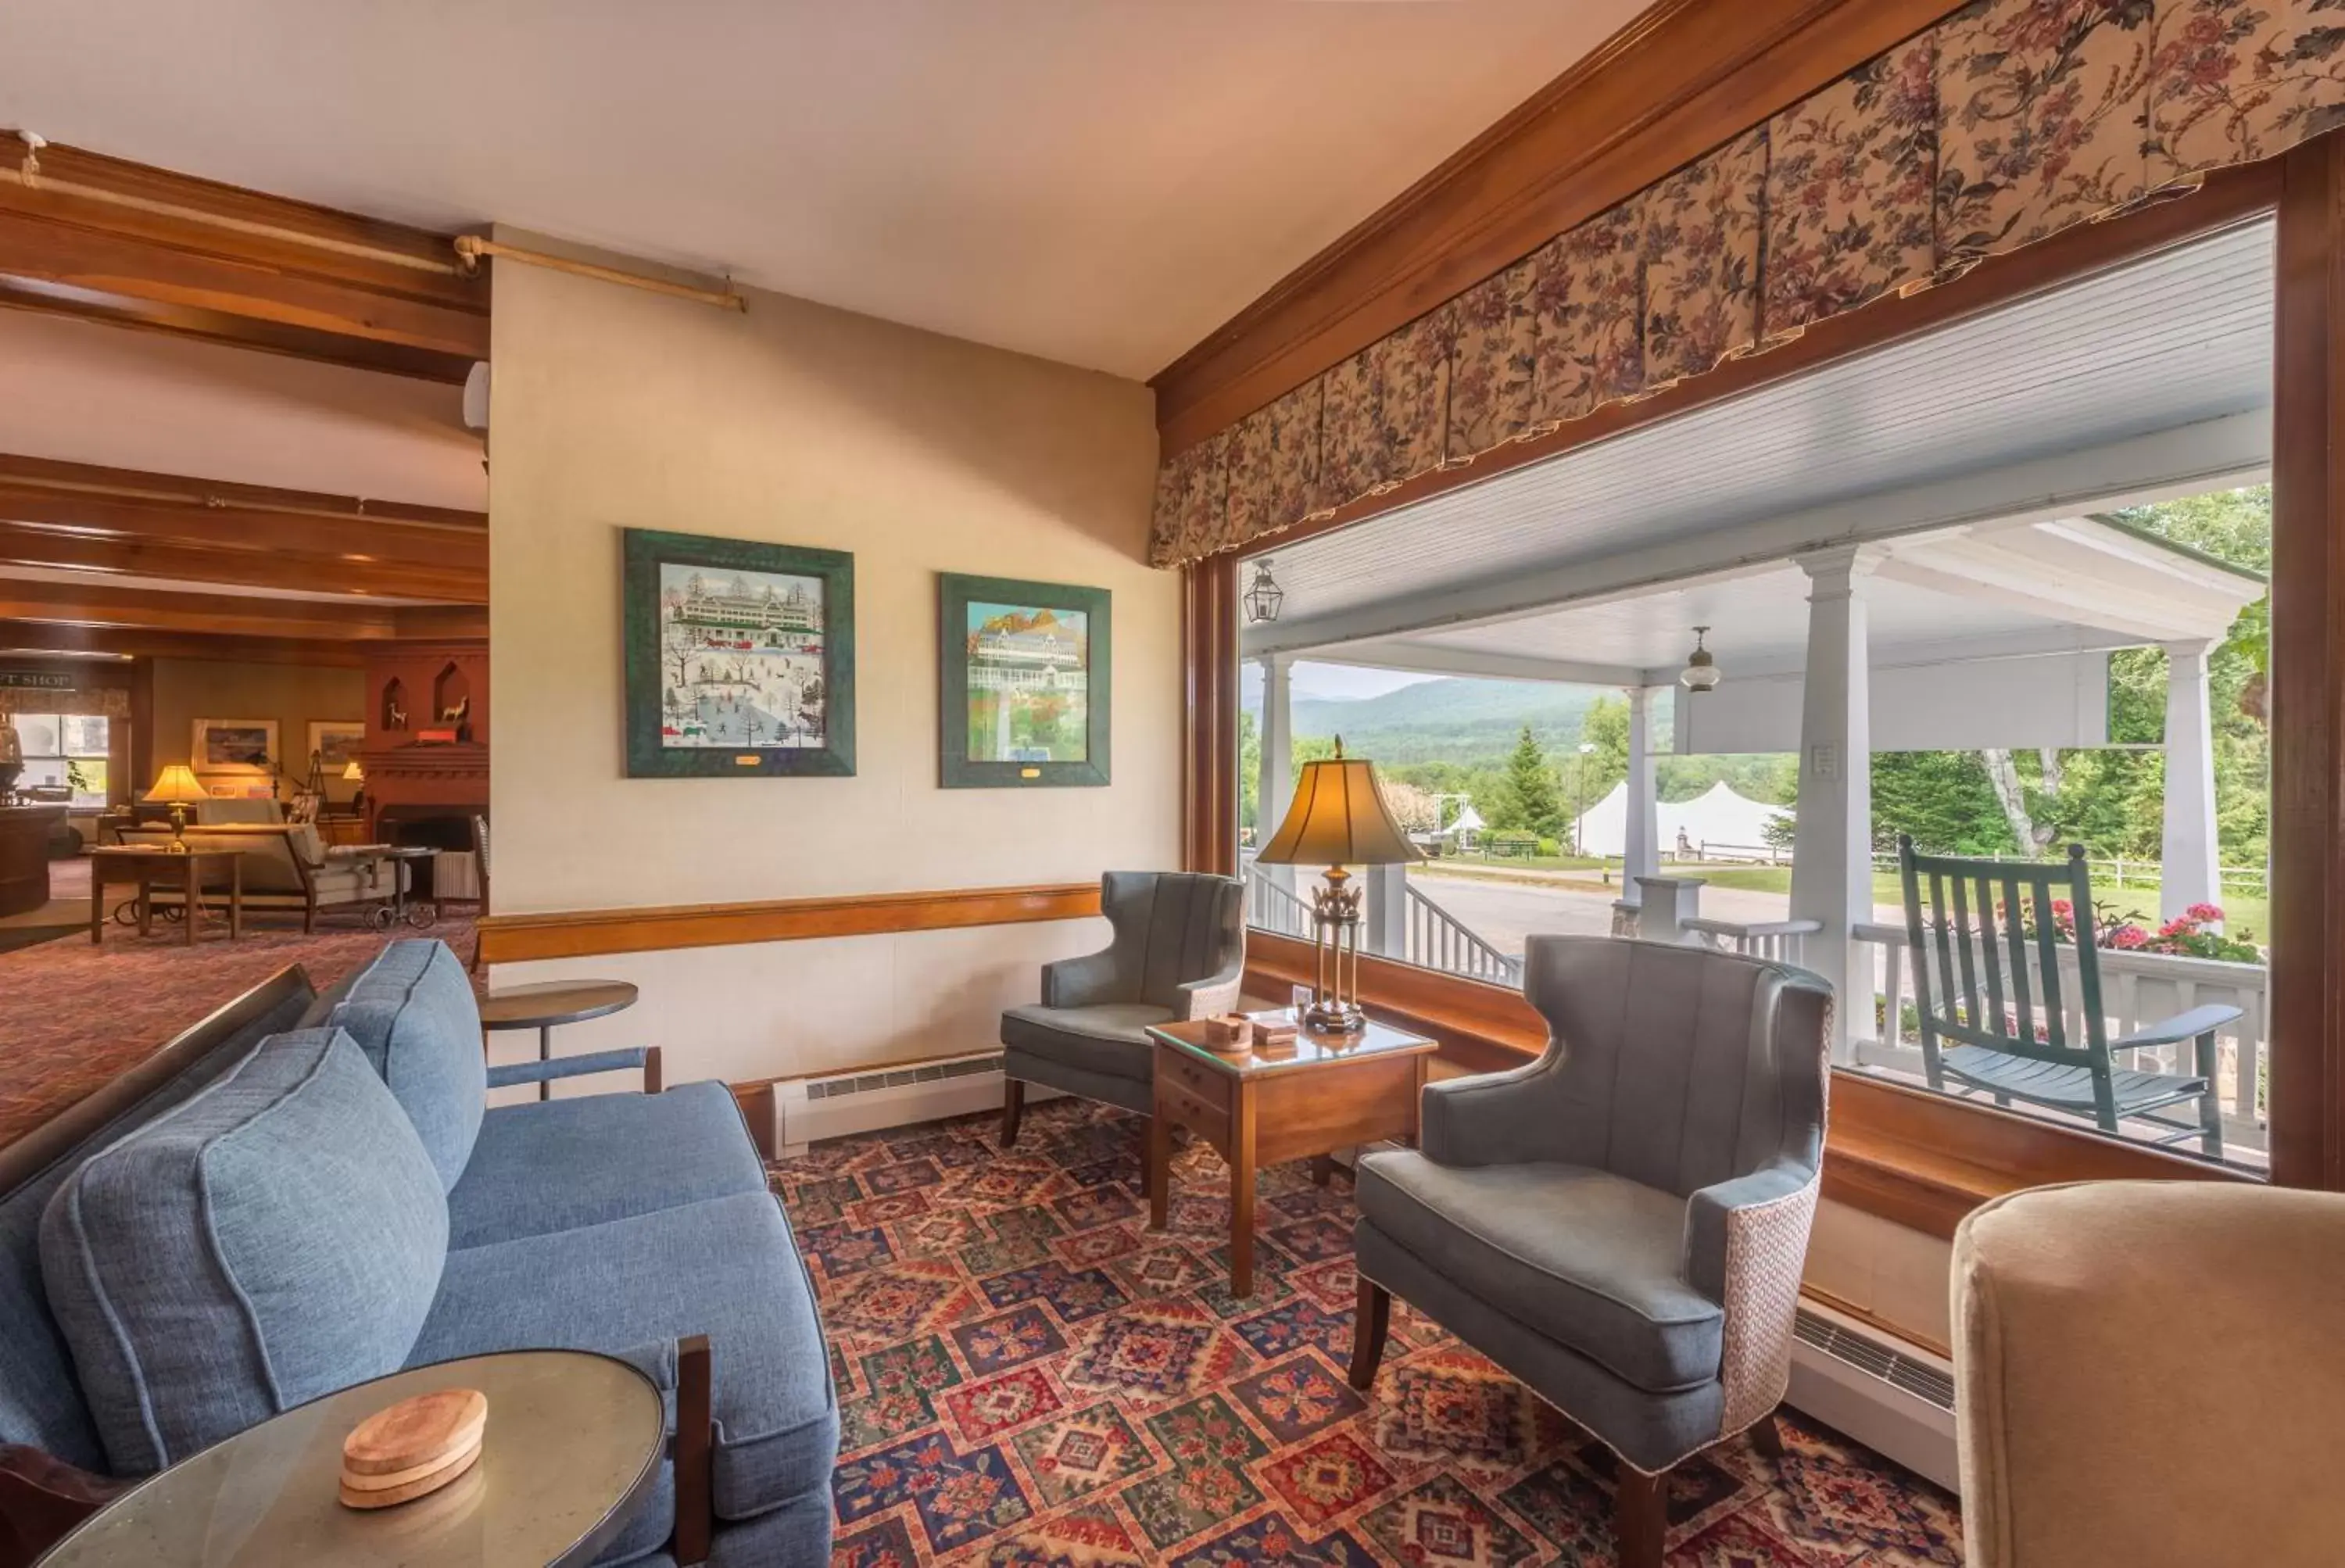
(48, 636)
(244, 568)
(131, 505)
(231, 614)
(76, 255)
(1685, 77)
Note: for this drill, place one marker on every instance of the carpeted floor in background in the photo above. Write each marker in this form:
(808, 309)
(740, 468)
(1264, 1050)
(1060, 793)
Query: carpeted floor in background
(1028, 1375)
(73, 1015)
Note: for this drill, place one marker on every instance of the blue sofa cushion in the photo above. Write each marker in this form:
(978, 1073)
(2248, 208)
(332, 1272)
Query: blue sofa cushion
(726, 1267)
(556, 1164)
(40, 1401)
(276, 1237)
(412, 1012)
(1589, 1260)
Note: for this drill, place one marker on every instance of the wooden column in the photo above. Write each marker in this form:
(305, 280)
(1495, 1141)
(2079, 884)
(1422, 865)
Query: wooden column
(1208, 637)
(2307, 673)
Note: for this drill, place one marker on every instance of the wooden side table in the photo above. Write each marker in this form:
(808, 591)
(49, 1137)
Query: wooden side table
(572, 1448)
(154, 866)
(1327, 1091)
(553, 1001)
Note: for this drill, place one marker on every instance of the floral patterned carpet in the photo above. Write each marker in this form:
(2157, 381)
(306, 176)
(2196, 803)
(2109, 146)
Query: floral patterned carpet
(1027, 1374)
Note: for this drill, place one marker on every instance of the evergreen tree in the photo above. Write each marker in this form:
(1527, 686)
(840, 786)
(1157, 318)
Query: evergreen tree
(1529, 801)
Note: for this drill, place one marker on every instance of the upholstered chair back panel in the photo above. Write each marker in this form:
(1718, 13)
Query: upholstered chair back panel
(1679, 1066)
(1171, 928)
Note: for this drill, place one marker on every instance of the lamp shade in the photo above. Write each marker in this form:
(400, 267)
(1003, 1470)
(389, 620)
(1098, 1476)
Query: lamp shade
(1338, 818)
(352, 771)
(177, 786)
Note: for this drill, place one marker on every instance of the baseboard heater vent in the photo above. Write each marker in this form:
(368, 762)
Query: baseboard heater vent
(1892, 1397)
(809, 1110)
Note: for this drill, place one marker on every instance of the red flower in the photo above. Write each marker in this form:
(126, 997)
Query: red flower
(2207, 913)
(2127, 937)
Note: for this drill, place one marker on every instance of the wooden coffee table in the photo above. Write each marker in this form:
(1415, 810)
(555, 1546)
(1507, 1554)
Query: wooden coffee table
(1325, 1093)
(164, 867)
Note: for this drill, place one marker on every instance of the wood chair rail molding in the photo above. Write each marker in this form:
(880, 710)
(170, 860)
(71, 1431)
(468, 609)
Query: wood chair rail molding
(1684, 77)
(72, 255)
(1919, 1159)
(582, 934)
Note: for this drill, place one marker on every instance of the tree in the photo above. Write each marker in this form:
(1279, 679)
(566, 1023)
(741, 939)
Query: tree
(1528, 799)
(1250, 775)
(1412, 808)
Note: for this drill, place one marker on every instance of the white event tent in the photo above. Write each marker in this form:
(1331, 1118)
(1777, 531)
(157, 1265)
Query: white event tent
(1717, 816)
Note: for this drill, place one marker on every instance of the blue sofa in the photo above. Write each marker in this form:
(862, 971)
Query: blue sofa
(306, 1191)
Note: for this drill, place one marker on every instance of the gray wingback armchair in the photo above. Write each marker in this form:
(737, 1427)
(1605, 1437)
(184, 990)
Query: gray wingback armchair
(1620, 1223)
(1178, 952)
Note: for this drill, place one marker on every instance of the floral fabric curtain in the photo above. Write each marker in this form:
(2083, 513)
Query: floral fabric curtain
(2008, 121)
(92, 702)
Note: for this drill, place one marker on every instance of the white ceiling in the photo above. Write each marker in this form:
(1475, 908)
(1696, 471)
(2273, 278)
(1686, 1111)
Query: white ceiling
(2149, 380)
(1102, 184)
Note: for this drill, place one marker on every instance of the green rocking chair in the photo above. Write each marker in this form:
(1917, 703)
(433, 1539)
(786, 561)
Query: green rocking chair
(1993, 1024)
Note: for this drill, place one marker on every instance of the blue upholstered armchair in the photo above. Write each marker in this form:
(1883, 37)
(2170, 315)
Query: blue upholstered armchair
(1622, 1223)
(1178, 952)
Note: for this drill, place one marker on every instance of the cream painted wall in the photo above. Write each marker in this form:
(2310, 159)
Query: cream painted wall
(797, 423)
(293, 694)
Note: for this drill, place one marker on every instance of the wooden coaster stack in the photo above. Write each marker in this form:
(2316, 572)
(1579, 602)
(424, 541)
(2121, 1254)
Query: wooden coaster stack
(1230, 1033)
(414, 1448)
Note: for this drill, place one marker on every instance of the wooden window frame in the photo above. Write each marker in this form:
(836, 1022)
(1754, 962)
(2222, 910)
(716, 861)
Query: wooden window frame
(1920, 1159)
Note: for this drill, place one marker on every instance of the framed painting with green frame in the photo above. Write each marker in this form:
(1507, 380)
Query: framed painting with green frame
(1024, 683)
(740, 658)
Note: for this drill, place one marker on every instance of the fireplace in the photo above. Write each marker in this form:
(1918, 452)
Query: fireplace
(426, 755)
(448, 829)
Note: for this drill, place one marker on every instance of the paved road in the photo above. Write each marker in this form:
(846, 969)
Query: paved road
(1502, 914)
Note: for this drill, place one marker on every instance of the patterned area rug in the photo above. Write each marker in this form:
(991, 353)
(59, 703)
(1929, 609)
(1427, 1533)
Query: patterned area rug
(1027, 1374)
(73, 1015)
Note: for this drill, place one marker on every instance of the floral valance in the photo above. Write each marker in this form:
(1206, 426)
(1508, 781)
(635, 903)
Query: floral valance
(2007, 122)
(98, 702)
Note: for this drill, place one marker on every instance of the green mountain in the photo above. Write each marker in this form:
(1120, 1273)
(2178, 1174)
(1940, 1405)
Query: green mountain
(1453, 720)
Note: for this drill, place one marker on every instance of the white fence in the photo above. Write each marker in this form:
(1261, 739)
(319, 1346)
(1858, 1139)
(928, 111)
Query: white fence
(1428, 935)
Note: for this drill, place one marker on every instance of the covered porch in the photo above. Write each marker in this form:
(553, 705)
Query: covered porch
(1913, 551)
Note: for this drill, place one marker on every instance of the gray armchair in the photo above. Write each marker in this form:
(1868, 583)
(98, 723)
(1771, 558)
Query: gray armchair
(1620, 1223)
(1178, 952)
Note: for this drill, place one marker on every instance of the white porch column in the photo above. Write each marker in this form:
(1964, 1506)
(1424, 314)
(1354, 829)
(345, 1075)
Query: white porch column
(2191, 872)
(1832, 864)
(1643, 856)
(1275, 785)
(1385, 929)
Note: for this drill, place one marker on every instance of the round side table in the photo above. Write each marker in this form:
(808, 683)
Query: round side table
(572, 1447)
(554, 1002)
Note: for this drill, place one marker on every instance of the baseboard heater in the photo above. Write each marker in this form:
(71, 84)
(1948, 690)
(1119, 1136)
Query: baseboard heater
(1895, 1397)
(809, 1110)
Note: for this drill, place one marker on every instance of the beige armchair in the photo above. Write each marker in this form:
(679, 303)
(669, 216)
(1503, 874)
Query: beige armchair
(2145, 1375)
(286, 867)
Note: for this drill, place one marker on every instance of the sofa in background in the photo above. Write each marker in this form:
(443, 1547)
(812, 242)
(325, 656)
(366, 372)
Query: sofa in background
(2143, 1375)
(305, 1191)
(286, 867)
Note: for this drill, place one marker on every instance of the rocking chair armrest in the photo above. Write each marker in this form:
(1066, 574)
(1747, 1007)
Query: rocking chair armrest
(2182, 1026)
(640, 1058)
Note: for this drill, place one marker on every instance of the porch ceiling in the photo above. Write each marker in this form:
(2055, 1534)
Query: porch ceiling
(1975, 451)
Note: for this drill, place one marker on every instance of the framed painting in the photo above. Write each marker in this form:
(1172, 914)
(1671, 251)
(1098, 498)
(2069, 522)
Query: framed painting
(334, 742)
(1023, 686)
(740, 658)
(234, 746)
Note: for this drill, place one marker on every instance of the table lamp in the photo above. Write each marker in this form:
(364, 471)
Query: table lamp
(178, 787)
(1338, 818)
(356, 775)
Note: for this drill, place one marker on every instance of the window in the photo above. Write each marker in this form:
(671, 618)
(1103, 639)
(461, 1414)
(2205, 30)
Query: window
(65, 750)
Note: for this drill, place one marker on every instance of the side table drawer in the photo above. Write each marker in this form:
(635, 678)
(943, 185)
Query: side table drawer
(1182, 1108)
(1202, 1084)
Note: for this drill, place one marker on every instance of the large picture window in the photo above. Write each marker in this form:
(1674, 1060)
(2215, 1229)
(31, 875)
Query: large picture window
(65, 751)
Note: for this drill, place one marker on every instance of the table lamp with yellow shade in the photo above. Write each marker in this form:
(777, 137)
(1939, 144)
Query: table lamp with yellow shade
(178, 787)
(1338, 819)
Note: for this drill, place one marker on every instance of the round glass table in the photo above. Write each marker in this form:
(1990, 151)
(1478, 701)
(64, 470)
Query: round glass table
(573, 1445)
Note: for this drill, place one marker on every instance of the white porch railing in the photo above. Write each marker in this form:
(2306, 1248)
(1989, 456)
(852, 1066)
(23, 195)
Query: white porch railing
(1439, 940)
(1272, 906)
(1784, 941)
(2136, 989)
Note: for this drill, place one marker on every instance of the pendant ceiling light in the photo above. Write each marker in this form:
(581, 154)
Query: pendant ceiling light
(1263, 599)
(1702, 672)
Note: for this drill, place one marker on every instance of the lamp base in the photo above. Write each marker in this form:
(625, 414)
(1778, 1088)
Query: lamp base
(1333, 1017)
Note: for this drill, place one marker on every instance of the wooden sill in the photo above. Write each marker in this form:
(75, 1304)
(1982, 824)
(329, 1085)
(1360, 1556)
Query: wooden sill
(1913, 1157)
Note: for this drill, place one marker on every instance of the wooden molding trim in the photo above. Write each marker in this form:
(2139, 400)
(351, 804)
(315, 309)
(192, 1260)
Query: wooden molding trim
(96, 604)
(51, 637)
(74, 255)
(582, 934)
(1919, 1159)
(1209, 758)
(1684, 77)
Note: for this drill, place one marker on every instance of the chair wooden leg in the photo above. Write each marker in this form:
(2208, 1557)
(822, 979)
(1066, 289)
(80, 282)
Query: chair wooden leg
(1371, 1317)
(1642, 1517)
(1767, 1437)
(1013, 1104)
